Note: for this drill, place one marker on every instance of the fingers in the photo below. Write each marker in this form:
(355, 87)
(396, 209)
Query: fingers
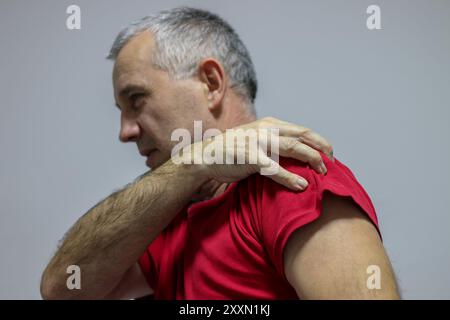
(306, 135)
(317, 142)
(282, 176)
(292, 148)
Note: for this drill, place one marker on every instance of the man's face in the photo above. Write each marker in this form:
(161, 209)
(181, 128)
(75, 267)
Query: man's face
(152, 104)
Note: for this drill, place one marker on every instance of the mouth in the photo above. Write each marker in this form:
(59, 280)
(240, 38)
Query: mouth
(146, 152)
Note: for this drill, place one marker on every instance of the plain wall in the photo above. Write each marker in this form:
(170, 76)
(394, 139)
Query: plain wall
(381, 97)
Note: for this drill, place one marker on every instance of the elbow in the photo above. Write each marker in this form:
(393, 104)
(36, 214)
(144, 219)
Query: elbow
(52, 288)
(47, 290)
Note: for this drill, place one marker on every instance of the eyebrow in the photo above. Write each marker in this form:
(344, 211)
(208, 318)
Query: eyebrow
(130, 88)
(124, 92)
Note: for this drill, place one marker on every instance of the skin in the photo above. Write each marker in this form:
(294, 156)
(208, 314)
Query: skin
(157, 105)
(165, 104)
(328, 258)
(107, 241)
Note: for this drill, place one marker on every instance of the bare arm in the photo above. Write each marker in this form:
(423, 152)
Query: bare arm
(108, 240)
(132, 285)
(328, 258)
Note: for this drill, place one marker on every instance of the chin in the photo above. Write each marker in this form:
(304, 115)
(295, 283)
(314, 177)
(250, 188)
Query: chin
(155, 160)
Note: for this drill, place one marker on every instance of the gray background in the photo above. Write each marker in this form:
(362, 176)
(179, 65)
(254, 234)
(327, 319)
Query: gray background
(381, 97)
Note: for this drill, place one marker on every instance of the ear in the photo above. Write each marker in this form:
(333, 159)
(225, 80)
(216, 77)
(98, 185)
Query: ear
(212, 74)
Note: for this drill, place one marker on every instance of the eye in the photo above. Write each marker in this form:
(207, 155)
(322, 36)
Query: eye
(135, 98)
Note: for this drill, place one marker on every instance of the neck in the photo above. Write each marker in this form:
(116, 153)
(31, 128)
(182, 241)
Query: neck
(234, 113)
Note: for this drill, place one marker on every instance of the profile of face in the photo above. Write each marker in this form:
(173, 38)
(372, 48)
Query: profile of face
(152, 104)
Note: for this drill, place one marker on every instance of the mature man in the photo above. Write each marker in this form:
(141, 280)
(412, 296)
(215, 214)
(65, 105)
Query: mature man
(216, 231)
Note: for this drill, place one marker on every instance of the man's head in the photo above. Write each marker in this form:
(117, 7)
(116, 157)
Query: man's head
(175, 67)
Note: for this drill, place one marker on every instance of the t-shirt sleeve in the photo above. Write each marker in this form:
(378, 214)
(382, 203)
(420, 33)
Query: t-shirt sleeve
(281, 211)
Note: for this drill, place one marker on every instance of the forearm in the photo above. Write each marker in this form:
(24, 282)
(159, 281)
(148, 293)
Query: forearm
(111, 236)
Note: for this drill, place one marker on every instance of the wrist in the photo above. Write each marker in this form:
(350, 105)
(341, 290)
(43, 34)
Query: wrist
(189, 160)
(196, 173)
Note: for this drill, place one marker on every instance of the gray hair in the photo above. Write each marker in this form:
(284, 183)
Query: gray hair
(184, 36)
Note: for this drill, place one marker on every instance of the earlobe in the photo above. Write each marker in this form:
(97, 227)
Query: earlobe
(211, 100)
(210, 105)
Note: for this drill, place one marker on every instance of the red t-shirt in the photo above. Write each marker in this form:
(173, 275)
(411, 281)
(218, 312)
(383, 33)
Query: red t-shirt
(231, 246)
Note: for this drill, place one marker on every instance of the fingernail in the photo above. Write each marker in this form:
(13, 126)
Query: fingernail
(302, 183)
(323, 169)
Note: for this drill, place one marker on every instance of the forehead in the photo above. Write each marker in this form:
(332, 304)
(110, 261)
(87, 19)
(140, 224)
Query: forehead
(133, 63)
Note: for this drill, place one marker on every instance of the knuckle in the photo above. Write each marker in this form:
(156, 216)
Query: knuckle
(266, 122)
(316, 159)
(284, 176)
(261, 124)
(305, 132)
(291, 146)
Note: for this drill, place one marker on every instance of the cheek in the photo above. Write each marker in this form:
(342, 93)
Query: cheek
(159, 133)
(190, 99)
(173, 109)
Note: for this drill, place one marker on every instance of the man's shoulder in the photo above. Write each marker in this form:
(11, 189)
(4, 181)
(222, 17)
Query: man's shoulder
(264, 194)
(337, 174)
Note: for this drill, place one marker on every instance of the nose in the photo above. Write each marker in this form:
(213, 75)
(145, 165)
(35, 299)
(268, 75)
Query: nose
(129, 130)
